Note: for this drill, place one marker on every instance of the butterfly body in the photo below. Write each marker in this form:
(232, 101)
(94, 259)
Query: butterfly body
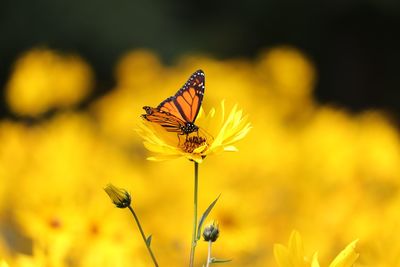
(179, 112)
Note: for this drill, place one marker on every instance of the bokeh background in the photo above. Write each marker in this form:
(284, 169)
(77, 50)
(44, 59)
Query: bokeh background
(319, 82)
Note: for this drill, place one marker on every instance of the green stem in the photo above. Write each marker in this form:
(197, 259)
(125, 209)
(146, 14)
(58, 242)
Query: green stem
(194, 235)
(209, 253)
(143, 236)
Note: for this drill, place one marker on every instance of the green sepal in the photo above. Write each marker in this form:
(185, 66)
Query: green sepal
(148, 240)
(204, 216)
(214, 260)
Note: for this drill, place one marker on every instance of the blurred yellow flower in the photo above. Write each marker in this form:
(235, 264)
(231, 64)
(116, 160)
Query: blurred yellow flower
(137, 69)
(227, 131)
(293, 255)
(3, 263)
(288, 71)
(43, 79)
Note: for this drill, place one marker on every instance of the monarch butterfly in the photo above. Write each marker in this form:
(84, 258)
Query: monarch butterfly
(179, 112)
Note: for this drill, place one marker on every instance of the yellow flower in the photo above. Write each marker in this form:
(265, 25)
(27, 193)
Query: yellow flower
(217, 133)
(293, 255)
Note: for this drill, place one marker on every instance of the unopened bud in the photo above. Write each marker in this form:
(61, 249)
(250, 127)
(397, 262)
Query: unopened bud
(120, 197)
(211, 232)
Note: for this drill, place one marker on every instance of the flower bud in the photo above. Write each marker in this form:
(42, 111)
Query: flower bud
(120, 197)
(211, 232)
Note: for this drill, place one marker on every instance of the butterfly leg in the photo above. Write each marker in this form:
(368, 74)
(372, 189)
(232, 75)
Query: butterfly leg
(179, 138)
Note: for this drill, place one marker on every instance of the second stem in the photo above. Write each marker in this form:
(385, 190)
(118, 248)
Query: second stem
(194, 233)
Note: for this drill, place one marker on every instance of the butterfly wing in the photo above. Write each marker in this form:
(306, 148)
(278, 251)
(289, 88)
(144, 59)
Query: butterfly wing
(166, 120)
(185, 104)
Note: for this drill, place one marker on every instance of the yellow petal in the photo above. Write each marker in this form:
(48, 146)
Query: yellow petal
(315, 262)
(231, 149)
(296, 248)
(162, 157)
(200, 149)
(282, 256)
(346, 257)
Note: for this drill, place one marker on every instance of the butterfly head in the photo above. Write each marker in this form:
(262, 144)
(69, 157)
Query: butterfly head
(150, 113)
(148, 110)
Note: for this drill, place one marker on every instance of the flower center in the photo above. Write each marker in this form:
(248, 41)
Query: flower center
(193, 142)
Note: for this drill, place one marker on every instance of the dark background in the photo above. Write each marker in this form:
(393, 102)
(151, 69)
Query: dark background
(354, 44)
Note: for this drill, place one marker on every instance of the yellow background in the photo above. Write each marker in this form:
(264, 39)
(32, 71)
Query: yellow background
(331, 174)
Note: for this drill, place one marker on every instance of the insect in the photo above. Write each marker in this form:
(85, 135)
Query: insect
(179, 112)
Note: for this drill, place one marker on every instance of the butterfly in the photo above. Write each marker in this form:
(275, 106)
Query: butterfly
(179, 112)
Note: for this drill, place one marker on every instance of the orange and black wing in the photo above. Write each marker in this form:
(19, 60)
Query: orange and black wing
(166, 120)
(185, 104)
